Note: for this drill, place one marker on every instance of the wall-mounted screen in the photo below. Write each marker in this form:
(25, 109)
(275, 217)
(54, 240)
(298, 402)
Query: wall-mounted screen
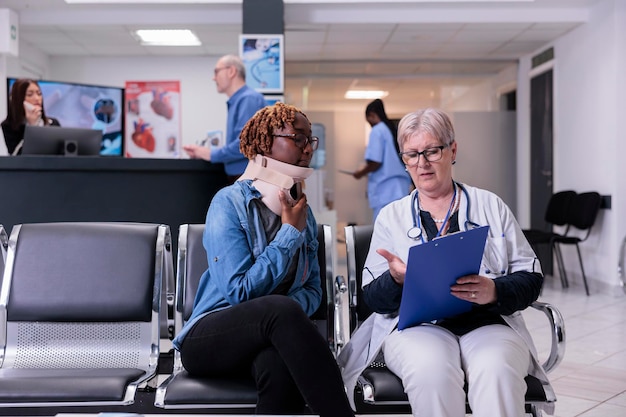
(86, 106)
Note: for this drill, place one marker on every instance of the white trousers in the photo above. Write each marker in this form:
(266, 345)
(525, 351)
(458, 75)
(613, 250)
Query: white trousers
(433, 365)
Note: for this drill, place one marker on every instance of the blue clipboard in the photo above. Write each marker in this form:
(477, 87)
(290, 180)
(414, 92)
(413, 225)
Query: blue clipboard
(430, 271)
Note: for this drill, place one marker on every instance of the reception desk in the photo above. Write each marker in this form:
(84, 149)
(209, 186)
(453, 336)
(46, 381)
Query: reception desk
(56, 188)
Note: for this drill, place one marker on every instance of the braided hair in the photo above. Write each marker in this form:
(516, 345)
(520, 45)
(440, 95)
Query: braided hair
(256, 137)
(378, 108)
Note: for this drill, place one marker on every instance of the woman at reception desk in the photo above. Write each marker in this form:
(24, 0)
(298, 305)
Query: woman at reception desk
(25, 108)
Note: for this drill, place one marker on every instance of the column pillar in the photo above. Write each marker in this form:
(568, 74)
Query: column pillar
(262, 47)
(263, 17)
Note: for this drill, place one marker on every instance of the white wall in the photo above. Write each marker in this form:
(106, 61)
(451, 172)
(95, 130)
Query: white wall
(345, 148)
(619, 197)
(31, 63)
(589, 67)
(486, 152)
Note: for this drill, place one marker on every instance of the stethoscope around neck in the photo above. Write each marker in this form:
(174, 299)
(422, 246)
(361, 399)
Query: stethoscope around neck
(415, 232)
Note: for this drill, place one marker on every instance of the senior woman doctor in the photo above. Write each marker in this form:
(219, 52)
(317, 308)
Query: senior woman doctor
(489, 346)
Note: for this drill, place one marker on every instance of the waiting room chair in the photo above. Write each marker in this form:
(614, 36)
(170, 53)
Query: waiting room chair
(183, 391)
(556, 215)
(79, 313)
(581, 214)
(379, 391)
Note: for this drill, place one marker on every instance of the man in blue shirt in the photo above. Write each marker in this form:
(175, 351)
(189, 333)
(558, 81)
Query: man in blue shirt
(243, 101)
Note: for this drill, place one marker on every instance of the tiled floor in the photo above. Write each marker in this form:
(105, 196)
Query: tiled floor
(591, 380)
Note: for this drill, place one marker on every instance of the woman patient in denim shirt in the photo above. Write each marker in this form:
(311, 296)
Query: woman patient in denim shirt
(251, 312)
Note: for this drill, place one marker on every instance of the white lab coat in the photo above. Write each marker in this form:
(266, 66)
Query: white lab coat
(506, 251)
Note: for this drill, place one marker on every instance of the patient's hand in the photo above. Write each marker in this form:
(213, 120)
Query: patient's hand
(294, 215)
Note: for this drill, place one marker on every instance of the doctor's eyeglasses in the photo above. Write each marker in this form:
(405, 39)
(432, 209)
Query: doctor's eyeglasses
(412, 158)
(301, 140)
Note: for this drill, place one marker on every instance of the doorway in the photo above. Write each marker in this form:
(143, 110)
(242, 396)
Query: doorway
(541, 139)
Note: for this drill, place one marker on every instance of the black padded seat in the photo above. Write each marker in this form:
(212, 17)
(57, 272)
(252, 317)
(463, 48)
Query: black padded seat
(70, 385)
(80, 312)
(184, 391)
(189, 392)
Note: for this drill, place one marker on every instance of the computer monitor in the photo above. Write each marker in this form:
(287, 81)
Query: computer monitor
(67, 141)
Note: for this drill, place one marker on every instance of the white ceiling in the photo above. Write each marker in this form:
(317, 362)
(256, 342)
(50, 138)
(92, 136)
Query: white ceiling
(416, 50)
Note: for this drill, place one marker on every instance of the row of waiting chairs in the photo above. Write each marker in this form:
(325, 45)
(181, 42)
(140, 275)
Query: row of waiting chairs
(82, 308)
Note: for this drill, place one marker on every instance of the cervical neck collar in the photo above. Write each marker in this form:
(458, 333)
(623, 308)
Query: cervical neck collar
(269, 176)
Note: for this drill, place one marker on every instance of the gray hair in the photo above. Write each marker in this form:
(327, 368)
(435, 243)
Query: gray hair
(430, 120)
(235, 61)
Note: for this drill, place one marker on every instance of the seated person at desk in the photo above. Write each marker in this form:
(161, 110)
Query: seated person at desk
(251, 311)
(489, 346)
(25, 107)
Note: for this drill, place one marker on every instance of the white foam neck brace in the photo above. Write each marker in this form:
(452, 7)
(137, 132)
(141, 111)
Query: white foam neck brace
(269, 176)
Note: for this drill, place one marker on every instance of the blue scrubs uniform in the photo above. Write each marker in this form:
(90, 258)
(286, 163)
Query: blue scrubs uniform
(390, 182)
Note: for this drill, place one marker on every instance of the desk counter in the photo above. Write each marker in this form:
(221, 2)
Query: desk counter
(53, 188)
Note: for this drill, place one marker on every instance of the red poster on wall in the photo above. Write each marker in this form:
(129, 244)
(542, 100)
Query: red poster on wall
(152, 119)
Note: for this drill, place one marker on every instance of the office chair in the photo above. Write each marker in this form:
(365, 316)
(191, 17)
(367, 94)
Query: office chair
(556, 215)
(582, 214)
(79, 313)
(183, 391)
(379, 391)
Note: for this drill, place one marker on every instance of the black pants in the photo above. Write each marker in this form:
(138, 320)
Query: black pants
(271, 338)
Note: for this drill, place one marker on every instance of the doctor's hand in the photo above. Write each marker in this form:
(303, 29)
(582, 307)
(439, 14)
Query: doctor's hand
(295, 214)
(475, 288)
(397, 268)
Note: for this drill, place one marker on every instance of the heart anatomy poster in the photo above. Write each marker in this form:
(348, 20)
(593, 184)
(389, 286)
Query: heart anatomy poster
(152, 119)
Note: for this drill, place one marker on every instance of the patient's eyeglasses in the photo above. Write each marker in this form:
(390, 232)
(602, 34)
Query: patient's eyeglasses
(301, 140)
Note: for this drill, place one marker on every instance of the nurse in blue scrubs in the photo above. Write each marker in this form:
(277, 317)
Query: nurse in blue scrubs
(387, 179)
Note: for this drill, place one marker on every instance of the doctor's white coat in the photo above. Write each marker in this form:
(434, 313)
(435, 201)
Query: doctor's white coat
(506, 251)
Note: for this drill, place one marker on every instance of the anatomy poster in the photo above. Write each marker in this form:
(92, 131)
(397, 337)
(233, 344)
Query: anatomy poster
(152, 119)
(264, 60)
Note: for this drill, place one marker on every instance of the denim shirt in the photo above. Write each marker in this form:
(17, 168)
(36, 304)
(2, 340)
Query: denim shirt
(243, 265)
